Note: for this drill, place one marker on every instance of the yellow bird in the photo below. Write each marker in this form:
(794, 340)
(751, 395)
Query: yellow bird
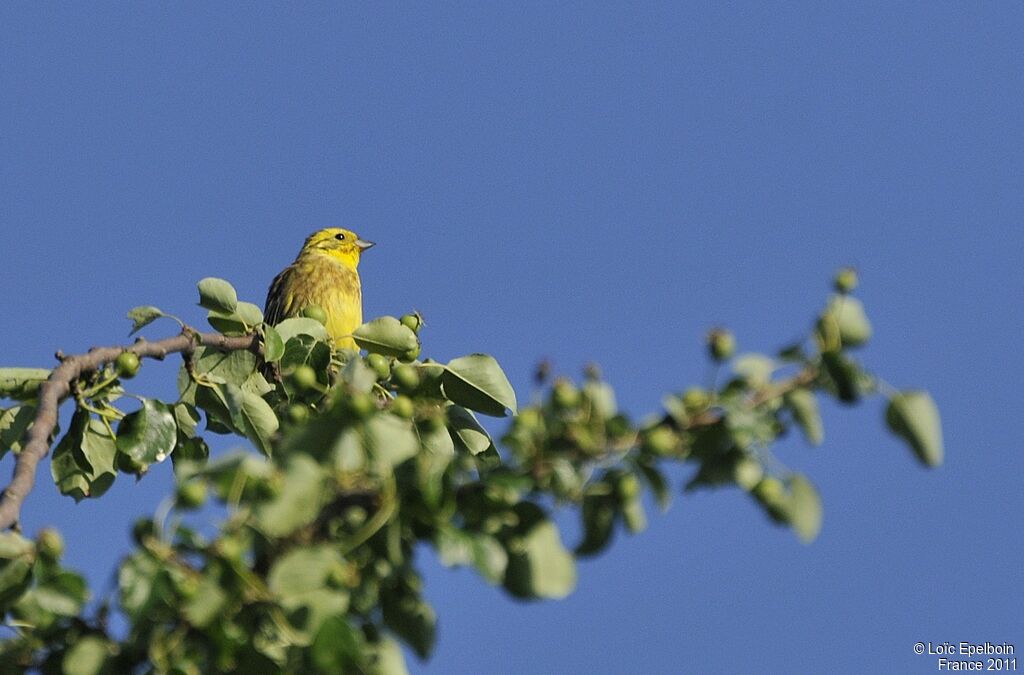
(324, 274)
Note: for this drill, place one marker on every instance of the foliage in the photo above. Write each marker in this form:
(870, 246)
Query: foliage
(365, 458)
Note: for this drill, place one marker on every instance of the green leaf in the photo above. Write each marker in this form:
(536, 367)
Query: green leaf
(482, 551)
(303, 349)
(14, 422)
(914, 417)
(218, 295)
(598, 524)
(143, 584)
(467, 430)
(385, 658)
(63, 594)
(804, 405)
(478, 383)
(602, 399)
(231, 367)
(143, 316)
(250, 314)
(227, 323)
(253, 416)
(438, 452)
(756, 369)
(301, 325)
(411, 619)
(804, 508)
(358, 376)
(22, 384)
(298, 504)
(13, 545)
(302, 570)
(149, 434)
(386, 335)
(659, 486)
(539, 566)
(338, 648)
(273, 344)
(390, 439)
(845, 317)
(68, 466)
(15, 578)
(87, 656)
(845, 376)
(208, 602)
(99, 451)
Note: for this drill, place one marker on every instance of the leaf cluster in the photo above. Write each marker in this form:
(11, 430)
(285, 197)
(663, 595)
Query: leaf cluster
(364, 460)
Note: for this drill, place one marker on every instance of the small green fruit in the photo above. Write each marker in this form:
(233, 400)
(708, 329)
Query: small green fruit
(315, 312)
(660, 441)
(231, 547)
(747, 473)
(628, 487)
(361, 405)
(412, 321)
(406, 377)
(127, 365)
(770, 491)
(721, 344)
(845, 280)
(403, 406)
(50, 544)
(410, 355)
(564, 394)
(529, 419)
(304, 378)
(696, 399)
(298, 413)
(380, 365)
(191, 495)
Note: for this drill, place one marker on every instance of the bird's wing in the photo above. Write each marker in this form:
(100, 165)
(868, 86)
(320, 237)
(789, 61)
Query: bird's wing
(277, 306)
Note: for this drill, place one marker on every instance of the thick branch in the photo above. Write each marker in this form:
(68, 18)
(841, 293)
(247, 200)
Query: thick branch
(57, 388)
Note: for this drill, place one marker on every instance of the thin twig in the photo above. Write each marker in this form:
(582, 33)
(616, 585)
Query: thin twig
(57, 388)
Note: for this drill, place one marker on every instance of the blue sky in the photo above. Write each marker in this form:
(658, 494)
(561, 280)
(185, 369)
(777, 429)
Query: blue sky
(581, 182)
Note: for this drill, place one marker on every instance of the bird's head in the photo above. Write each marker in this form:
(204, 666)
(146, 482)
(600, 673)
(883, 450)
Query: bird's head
(344, 246)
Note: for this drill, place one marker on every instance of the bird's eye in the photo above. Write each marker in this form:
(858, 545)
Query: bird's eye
(339, 237)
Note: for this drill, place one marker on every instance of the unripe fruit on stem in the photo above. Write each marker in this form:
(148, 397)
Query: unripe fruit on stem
(380, 365)
(412, 321)
(361, 405)
(747, 473)
(845, 280)
(410, 355)
(231, 547)
(298, 413)
(191, 495)
(127, 365)
(403, 406)
(770, 491)
(564, 394)
(659, 441)
(315, 312)
(628, 487)
(304, 378)
(696, 399)
(721, 344)
(406, 377)
(50, 544)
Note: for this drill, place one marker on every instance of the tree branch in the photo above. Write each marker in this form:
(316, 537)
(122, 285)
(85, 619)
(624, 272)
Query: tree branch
(57, 388)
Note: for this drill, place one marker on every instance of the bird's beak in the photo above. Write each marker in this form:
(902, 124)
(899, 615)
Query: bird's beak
(363, 244)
